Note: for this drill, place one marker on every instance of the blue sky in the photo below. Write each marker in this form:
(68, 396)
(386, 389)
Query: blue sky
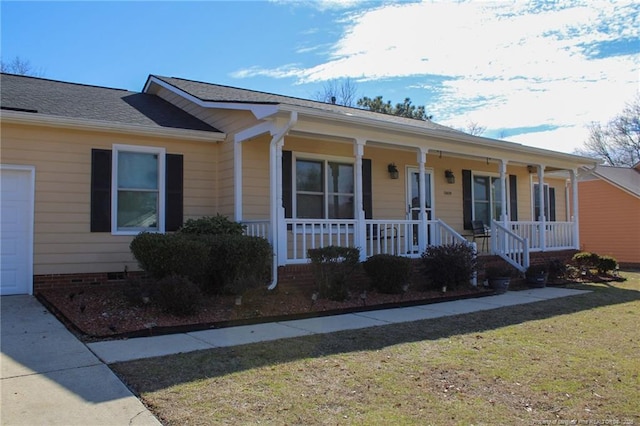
(535, 72)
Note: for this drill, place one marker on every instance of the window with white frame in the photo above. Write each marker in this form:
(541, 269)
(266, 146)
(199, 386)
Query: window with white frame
(549, 202)
(324, 189)
(487, 198)
(137, 189)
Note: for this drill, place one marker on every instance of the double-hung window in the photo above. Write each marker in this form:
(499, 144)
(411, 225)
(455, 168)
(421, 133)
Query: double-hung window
(549, 202)
(324, 189)
(487, 198)
(138, 189)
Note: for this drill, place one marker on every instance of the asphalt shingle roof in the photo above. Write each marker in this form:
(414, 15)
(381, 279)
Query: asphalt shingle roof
(208, 92)
(71, 100)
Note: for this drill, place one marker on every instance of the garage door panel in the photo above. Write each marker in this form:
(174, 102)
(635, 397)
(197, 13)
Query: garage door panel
(16, 230)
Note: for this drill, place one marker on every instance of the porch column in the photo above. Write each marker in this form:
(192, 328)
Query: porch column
(280, 229)
(360, 229)
(237, 180)
(504, 216)
(542, 218)
(573, 173)
(422, 228)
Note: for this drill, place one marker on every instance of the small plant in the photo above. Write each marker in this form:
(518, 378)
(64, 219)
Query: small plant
(212, 225)
(177, 295)
(586, 260)
(333, 266)
(498, 270)
(557, 269)
(537, 275)
(388, 273)
(450, 265)
(606, 264)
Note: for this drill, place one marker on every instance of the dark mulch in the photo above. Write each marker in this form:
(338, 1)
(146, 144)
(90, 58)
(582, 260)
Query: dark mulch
(98, 313)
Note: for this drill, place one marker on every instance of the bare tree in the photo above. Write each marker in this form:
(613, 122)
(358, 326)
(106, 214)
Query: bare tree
(618, 142)
(473, 128)
(19, 66)
(340, 92)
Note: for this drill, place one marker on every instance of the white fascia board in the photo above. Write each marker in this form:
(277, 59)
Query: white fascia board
(259, 111)
(499, 149)
(250, 132)
(35, 119)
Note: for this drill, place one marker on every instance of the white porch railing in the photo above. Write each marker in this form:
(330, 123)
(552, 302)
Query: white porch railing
(303, 235)
(258, 228)
(557, 235)
(510, 246)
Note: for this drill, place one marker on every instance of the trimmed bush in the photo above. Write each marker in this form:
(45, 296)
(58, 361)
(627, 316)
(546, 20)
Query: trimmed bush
(450, 265)
(237, 263)
(212, 225)
(162, 255)
(586, 260)
(177, 295)
(333, 266)
(388, 273)
(606, 264)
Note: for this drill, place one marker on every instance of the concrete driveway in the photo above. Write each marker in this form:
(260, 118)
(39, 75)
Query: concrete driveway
(48, 377)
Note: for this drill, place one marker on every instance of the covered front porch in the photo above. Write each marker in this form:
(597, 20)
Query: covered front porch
(527, 198)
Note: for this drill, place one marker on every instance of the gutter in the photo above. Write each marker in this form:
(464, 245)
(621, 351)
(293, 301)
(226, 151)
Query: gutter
(275, 177)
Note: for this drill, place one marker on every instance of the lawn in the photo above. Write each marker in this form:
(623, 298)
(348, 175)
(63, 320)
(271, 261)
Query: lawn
(552, 362)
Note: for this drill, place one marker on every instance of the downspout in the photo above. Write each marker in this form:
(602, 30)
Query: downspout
(275, 178)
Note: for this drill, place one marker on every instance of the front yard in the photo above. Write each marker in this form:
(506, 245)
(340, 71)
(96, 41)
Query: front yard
(570, 359)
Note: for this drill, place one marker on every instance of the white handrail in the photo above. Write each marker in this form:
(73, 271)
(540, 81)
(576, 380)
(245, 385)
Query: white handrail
(510, 246)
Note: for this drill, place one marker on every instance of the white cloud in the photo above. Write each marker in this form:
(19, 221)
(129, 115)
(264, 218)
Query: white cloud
(507, 64)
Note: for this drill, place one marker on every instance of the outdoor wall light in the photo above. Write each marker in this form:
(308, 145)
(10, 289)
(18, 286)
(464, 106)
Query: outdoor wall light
(531, 169)
(448, 174)
(393, 171)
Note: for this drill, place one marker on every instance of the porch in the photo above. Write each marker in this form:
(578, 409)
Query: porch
(513, 241)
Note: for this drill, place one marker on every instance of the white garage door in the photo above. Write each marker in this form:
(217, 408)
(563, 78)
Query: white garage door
(16, 229)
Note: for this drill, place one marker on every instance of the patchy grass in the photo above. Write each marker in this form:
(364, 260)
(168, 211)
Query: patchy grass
(549, 362)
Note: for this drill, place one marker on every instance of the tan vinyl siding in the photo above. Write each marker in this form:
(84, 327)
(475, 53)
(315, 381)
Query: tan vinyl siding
(389, 195)
(62, 159)
(609, 221)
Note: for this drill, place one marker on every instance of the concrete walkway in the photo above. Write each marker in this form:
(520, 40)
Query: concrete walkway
(48, 377)
(51, 378)
(144, 347)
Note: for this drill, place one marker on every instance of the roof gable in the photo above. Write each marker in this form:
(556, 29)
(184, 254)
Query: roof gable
(626, 178)
(78, 101)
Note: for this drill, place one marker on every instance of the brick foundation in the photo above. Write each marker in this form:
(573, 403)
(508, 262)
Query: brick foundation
(298, 276)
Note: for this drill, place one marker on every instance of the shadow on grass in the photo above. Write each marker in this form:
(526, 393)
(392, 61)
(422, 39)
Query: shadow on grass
(159, 373)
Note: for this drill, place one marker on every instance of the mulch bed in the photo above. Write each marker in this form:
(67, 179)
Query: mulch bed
(101, 313)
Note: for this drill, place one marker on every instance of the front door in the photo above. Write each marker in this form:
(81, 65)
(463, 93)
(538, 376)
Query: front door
(413, 200)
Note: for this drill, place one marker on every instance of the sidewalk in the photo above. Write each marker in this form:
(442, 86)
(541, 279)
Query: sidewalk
(145, 347)
(48, 377)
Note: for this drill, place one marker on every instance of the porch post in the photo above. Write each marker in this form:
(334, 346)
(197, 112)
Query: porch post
(573, 173)
(280, 230)
(237, 180)
(422, 228)
(360, 230)
(543, 208)
(504, 216)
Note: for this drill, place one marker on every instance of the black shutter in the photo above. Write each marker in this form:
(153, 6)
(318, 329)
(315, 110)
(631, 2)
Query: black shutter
(174, 207)
(287, 183)
(513, 197)
(367, 192)
(466, 199)
(100, 190)
(552, 204)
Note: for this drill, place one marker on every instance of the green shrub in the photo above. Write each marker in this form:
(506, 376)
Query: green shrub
(388, 273)
(178, 295)
(586, 260)
(450, 265)
(606, 264)
(212, 225)
(236, 263)
(162, 255)
(333, 266)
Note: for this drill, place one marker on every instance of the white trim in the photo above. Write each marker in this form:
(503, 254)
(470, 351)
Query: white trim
(31, 219)
(34, 119)
(259, 111)
(161, 153)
